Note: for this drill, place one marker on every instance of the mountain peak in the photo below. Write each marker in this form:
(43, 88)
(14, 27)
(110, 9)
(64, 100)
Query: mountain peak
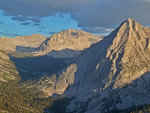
(131, 40)
(131, 20)
(116, 65)
(70, 39)
(128, 29)
(130, 24)
(69, 31)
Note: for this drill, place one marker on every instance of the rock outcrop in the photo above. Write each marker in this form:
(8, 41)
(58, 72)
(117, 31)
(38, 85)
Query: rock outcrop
(71, 39)
(113, 73)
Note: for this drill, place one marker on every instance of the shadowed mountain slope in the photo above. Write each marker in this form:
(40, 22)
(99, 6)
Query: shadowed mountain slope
(111, 73)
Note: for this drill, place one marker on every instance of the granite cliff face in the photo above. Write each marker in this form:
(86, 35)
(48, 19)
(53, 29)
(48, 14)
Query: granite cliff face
(66, 41)
(113, 73)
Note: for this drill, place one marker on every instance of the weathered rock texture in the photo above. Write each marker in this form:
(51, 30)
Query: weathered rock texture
(7, 69)
(113, 73)
(70, 39)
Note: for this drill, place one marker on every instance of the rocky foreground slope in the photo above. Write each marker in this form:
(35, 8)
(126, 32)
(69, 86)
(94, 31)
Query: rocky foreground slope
(112, 74)
(8, 70)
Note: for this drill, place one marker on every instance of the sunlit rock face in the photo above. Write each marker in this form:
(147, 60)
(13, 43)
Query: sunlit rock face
(8, 71)
(110, 74)
(24, 42)
(75, 40)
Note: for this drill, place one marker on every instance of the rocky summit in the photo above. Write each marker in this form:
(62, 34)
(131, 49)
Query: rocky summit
(112, 74)
(65, 42)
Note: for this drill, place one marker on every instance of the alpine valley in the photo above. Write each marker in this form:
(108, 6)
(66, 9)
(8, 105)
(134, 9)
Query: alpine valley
(74, 71)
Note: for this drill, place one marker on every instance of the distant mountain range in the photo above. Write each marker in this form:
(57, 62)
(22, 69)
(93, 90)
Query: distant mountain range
(37, 55)
(71, 39)
(12, 44)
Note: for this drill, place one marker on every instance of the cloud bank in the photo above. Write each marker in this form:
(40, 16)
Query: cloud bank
(92, 15)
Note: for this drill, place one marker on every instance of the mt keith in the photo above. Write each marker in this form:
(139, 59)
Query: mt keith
(112, 74)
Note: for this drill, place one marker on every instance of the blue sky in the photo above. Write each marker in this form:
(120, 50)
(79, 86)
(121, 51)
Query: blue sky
(47, 26)
(26, 17)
